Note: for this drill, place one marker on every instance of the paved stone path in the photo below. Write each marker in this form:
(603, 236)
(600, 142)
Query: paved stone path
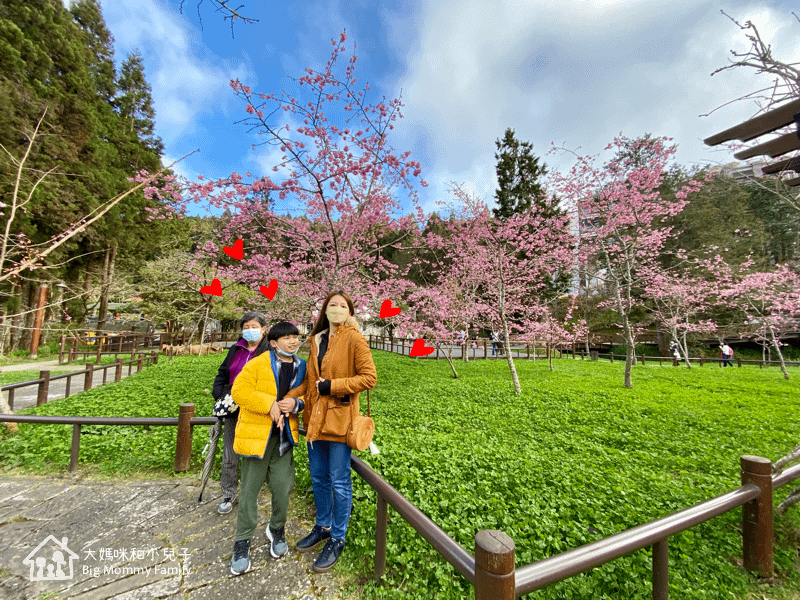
(26, 397)
(139, 540)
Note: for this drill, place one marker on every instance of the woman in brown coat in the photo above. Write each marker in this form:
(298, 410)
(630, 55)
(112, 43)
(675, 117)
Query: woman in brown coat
(339, 367)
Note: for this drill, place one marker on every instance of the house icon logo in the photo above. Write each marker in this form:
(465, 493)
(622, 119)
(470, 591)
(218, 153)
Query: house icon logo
(51, 560)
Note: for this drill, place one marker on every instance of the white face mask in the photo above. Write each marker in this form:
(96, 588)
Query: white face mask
(337, 314)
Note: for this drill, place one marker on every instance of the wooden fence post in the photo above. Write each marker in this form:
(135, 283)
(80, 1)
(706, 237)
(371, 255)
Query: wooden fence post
(154, 356)
(140, 364)
(757, 532)
(118, 370)
(87, 380)
(44, 388)
(76, 446)
(494, 566)
(381, 521)
(61, 343)
(183, 443)
(661, 570)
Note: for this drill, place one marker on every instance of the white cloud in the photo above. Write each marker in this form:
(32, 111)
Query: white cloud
(186, 81)
(578, 73)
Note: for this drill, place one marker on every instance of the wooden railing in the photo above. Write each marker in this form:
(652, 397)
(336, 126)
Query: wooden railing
(44, 380)
(483, 349)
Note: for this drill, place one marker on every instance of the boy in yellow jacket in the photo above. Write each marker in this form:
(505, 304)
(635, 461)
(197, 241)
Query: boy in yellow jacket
(266, 434)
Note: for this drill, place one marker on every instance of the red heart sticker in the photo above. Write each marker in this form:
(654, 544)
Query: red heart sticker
(237, 251)
(269, 290)
(419, 348)
(215, 289)
(387, 310)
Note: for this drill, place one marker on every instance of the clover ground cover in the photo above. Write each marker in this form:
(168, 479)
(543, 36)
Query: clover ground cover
(575, 458)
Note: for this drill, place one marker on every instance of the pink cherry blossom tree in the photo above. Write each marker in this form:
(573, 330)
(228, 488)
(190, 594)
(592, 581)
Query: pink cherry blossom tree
(505, 264)
(547, 327)
(678, 299)
(768, 301)
(620, 214)
(353, 195)
(438, 312)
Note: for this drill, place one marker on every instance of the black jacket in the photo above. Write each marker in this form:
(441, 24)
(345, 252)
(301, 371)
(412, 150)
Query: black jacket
(222, 382)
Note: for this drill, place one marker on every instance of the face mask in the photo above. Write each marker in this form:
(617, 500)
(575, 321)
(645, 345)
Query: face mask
(251, 335)
(284, 353)
(337, 314)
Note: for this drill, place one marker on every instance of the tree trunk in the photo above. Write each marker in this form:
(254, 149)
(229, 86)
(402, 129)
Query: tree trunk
(629, 353)
(777, 346)
(449, 355)
(204, 323)
(87, 284)
(105, 286)
(507, 347)
(30, 313)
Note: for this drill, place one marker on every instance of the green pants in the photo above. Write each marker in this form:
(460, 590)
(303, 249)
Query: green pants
(279, 472)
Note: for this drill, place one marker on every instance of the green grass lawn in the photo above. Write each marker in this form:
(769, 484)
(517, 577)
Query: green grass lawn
(575, 458)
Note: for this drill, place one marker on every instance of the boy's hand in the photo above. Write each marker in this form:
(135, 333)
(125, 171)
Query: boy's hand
(275, 413)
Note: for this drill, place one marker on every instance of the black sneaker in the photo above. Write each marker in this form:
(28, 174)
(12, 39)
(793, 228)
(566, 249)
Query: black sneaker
(277, 542)
(240, 562)
(315, 537)
(329, 555)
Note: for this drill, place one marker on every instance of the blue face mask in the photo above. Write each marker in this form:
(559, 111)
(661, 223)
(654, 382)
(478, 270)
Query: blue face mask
(284, 353)
(251, 335)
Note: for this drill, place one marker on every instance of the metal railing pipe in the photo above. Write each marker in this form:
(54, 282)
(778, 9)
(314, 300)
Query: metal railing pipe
(551, 570)
(786, 476)
(450, 550)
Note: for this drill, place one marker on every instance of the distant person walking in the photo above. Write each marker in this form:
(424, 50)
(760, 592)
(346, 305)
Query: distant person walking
(252, 343)
(674, 350)
(727, 355)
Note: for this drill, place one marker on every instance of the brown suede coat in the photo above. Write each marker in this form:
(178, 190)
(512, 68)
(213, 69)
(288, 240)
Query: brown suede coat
(348, 364)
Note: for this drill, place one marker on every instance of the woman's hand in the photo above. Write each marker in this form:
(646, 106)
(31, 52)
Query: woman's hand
(286, 405)
(320, 380)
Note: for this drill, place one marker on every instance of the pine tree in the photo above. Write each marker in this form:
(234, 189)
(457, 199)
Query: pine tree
(518, 174)
(135, 103)
(89, 17)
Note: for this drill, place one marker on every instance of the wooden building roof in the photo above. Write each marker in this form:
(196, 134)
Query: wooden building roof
(771, 121)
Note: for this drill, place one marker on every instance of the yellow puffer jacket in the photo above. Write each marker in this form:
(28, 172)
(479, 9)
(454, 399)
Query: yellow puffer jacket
(254, 390)
(348, 364)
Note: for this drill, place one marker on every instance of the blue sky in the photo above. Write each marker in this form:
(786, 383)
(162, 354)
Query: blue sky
(575, 73)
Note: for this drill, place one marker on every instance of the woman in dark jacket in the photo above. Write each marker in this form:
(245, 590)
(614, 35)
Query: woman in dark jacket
(252, 343)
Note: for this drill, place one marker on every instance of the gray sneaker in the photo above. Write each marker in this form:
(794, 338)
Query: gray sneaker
(277, 542)
(225, 506)
(240, 561)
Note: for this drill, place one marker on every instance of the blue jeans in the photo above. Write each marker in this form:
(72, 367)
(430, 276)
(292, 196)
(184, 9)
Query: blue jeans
(329, 464)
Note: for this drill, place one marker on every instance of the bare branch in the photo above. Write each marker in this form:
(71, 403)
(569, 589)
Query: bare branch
(759, 56)
(229, 13)
(59, 239)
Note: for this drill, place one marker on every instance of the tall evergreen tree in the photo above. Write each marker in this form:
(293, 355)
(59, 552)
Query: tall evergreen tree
(89, 17)
(135, 102)
(518, 178)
